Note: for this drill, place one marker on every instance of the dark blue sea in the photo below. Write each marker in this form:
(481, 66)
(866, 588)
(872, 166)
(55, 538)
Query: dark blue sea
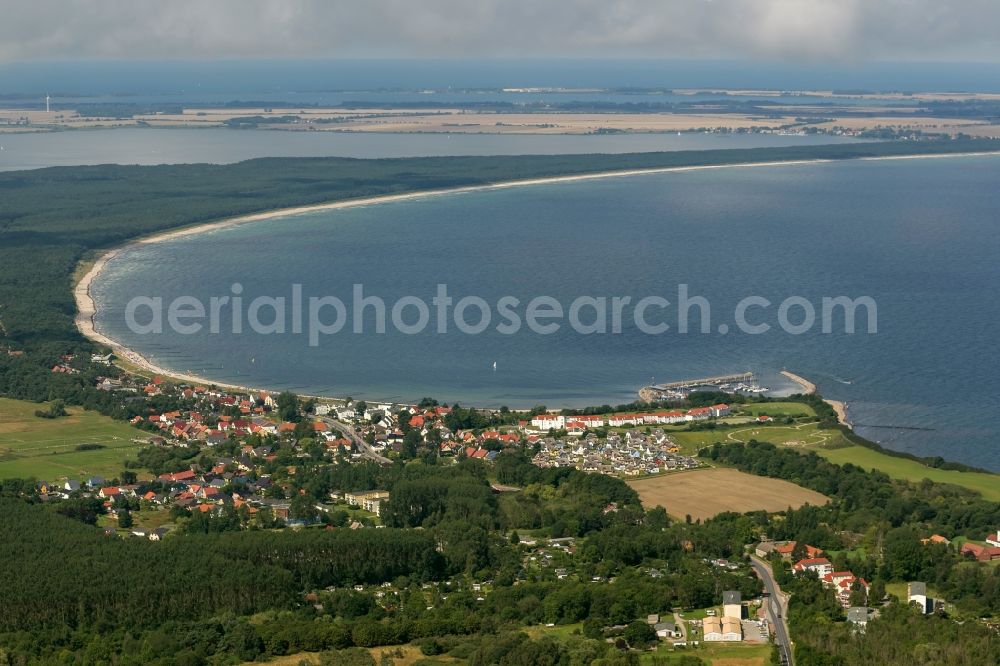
(920, 237)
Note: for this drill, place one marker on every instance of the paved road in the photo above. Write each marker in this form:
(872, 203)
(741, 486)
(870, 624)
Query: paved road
(350, 433)
(777, 609)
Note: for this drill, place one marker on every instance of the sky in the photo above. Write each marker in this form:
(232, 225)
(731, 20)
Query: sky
(845, 31)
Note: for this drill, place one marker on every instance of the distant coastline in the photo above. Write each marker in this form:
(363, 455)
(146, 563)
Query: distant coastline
(87, 307)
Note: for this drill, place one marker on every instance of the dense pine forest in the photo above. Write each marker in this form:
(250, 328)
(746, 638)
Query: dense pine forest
(73, 595)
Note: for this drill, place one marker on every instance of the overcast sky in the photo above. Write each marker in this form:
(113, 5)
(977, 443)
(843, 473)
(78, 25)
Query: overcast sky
(790, 30)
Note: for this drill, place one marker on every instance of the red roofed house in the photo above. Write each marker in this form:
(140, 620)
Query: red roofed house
(785, 550)
(178, 476)
(619, 420)
(671, 417)
(981, 553)
(548, 422)
(720, 410)
(820, 565)
(109, 492)
(935, 538)
(699, 413)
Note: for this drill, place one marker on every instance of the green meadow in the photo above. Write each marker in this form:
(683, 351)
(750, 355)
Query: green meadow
(988, 485)
(832, 445)
(45, 449)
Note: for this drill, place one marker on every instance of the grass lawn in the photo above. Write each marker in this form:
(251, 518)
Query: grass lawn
(793, 409)
(690, 442)
(988, 485)
(147, 519)
(804, 434)
(726, 654)
(717, 654)
(357, 513)
(45, 448)
(561, 631)
(411, 654)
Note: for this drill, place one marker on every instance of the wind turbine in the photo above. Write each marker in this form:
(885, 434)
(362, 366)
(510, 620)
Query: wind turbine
(47, 99)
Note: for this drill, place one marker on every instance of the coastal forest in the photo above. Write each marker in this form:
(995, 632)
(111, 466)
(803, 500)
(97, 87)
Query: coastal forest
(75, 596)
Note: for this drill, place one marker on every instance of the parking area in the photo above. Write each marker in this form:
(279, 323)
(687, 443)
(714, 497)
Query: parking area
(754, 632)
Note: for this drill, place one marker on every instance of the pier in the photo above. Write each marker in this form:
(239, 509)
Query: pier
(744, 377)
(670, 389)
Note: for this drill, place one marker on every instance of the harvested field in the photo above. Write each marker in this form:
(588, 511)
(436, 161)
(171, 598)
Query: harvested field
(704, 493)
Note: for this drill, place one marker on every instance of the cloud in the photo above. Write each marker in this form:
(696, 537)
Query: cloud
(846, 30)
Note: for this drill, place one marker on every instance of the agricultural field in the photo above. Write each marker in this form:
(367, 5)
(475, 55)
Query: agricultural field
(704, 493)
(988, 485)
(46, 449)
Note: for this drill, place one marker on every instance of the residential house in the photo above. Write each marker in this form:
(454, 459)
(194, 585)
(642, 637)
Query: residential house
(785, 549)
(667, 630)
(935, 538)
(981, 553)
(732, 604)
(549, 422)
(719, 410)
(110, 492)
(916, 593)
(819, 565)
(699, 414)
(859, 616)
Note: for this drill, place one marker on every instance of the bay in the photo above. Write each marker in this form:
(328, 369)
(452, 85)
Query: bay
(919, 236)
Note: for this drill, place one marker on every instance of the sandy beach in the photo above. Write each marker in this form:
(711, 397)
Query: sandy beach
(808, 388)
(87, 306)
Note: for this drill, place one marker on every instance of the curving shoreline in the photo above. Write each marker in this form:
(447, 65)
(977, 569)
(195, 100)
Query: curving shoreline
(87, 306)
(808, 388)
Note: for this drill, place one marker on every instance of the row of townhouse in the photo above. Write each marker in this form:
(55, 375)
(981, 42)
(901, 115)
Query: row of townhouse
(546, 422)
(372, 501)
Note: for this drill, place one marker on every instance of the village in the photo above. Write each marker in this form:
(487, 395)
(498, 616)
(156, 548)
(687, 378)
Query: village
(215, 458)
(230, 442)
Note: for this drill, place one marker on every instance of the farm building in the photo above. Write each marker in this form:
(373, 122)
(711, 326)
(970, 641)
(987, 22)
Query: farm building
(722, 629)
